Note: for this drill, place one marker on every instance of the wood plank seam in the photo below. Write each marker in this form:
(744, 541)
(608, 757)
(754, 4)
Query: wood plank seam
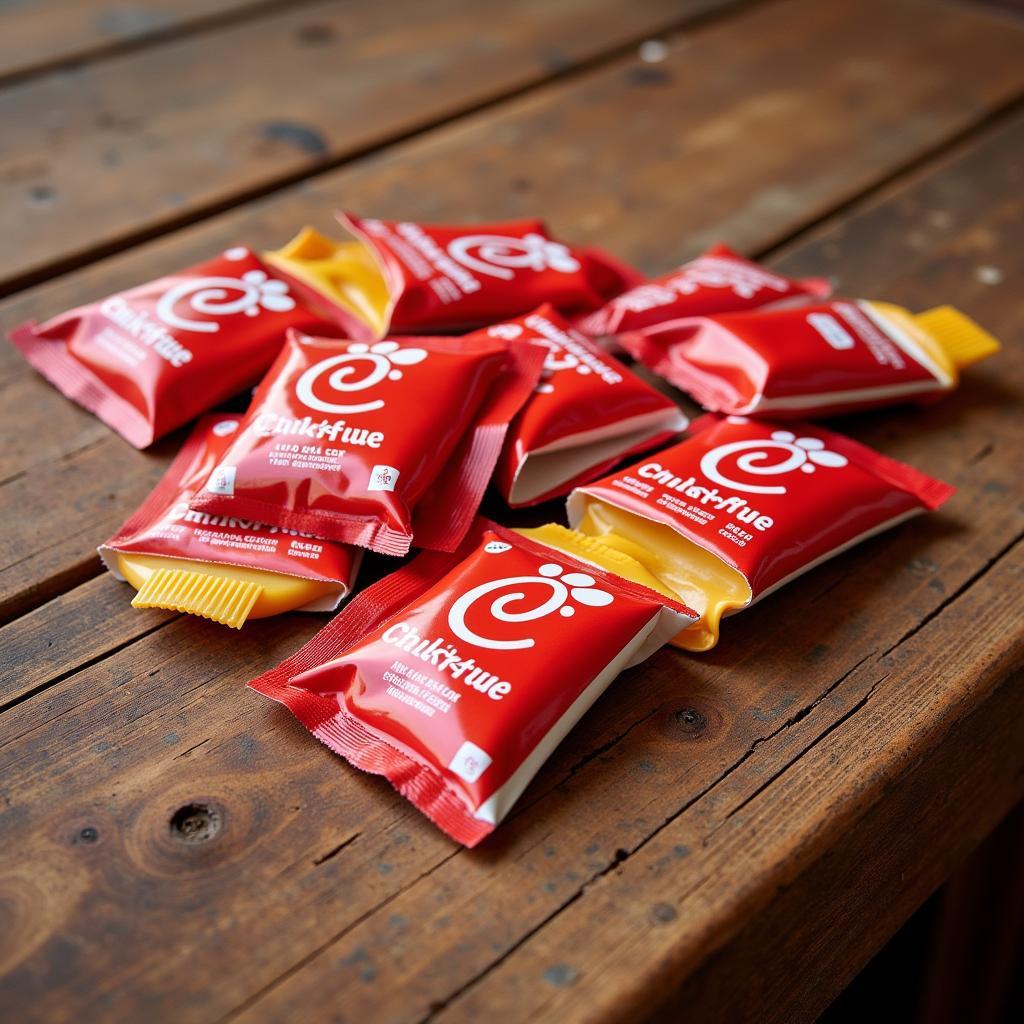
(966, 585)
(1000, 116)
(60, 677)
(150, 38)
(245, 1006)
(315, 168)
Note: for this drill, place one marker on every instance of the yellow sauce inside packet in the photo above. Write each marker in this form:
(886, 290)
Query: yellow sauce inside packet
(227, 594)
(345, 273)
(949, 339)
(657, 557)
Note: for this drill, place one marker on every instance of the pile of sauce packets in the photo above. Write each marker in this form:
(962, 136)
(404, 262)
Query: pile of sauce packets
(401, 371)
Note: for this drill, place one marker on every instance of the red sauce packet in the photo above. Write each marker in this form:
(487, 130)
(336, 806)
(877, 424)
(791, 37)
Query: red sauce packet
(456, 676)
(588, 413)
(151, 358)
(818, 360)
(165, 527)
(767, 500)
(453, 277)
(720, 281)
(371, 444)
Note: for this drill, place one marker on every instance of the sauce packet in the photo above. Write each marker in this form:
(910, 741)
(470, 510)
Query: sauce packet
(457, 676)
(371, 444)
(398, 277)
(741, 507)
(837, 357)
(225, 569)
(149, 359)
(720, 281)
(588, 413)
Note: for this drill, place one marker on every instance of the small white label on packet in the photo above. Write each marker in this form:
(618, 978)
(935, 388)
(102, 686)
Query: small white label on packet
(222, 480)
(383, 478)
(831, 330)
(469, 762)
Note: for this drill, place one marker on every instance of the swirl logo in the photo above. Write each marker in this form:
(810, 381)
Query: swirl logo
(577, 585)
(803, 453)
(361, 367)
(210, 297)
(502, 255)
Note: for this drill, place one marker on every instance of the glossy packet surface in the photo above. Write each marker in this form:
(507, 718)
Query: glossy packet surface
(151, 358)
(720, 281)
(369, 444)
(399, 277)
(588, 412)
(458, 675)
(835, 357)
(742, 506)
(226, 569)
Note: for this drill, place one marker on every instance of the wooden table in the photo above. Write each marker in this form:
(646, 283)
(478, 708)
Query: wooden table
(727, 837)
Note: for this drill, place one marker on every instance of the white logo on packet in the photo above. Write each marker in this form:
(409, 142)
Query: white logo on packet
(342, 374)
(803, 453)
(210, 297)
(469, 762)
(502, 255)
(222, 480)
(382, 478)
(578, 585)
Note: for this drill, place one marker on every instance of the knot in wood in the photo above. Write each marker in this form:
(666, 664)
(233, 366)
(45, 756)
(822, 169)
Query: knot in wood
(195, 823)
(691, 721)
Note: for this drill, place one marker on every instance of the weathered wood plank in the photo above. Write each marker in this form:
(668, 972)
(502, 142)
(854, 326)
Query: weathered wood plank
(798, 885)
(48, 32)
(74, 629)
(105, 152)
(316, 887)
(813, 131)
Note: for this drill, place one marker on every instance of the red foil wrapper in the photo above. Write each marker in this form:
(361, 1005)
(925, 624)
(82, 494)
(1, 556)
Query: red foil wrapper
(446, 278)
(588, 413)
(456, 676)
(149, 359)
(720, 281)
(164, 525)
(818, 360)
(371, 444)
(771, 500)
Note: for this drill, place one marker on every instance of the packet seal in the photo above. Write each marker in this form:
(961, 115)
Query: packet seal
(52, 358)
(474, 461)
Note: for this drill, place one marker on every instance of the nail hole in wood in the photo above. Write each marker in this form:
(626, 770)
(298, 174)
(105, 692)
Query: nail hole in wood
(691, 721)
(195, 823)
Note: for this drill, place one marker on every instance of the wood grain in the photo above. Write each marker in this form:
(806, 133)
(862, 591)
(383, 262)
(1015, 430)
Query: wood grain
(99, 154)
(752, 177)
(665, 829)
(47, 32)
(82, 625)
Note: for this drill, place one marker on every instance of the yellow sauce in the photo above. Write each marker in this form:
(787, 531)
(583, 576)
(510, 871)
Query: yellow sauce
(951, 340)
(345, 273)
(678, 567)
(224, 593)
